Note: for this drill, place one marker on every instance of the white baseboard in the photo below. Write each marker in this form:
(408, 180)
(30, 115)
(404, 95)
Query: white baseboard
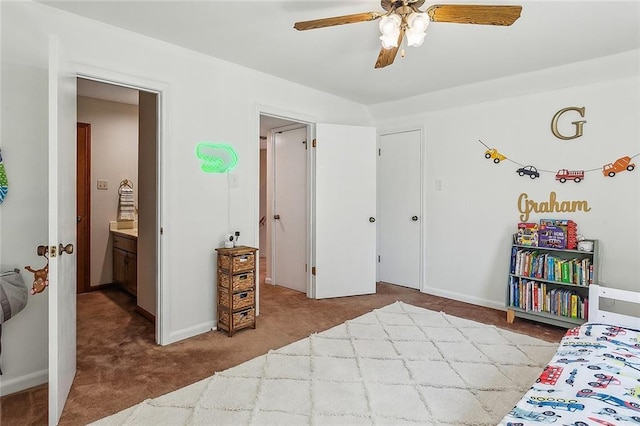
(178, 335)
(21, 383)
(464, 298)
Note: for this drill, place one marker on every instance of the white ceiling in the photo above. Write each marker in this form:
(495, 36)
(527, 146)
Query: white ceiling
(339, 60)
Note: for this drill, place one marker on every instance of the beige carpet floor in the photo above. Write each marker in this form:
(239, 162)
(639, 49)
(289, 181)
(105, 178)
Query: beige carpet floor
(119, 364)
(399, 364)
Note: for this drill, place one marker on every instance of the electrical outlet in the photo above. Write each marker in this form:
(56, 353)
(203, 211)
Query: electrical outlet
(233, 180)
(103, 184)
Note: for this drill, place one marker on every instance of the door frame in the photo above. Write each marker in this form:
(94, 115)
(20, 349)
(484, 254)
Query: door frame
(301, 119)
(421, 239)
(161, 89)
(271, 189)
(83, 186)
(424, 155)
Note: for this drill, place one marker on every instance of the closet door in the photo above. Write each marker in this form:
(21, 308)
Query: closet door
(289, 229)
(399, 208)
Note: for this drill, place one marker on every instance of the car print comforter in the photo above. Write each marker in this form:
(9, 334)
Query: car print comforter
(593, 379)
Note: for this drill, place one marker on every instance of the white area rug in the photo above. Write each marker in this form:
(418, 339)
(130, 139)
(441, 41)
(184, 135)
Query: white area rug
(396, 365)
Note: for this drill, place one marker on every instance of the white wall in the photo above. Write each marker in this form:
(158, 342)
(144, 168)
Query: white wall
(114, 157)
(469, 222)
(205, 99)
(23, 109)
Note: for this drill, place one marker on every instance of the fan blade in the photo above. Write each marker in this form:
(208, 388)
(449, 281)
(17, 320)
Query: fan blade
(337, 20)
(474, 14)
(387, 56)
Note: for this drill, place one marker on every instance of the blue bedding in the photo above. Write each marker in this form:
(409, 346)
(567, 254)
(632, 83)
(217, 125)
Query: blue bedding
(593, 379)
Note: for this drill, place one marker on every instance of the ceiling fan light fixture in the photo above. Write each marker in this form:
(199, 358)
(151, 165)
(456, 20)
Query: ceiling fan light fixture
(390, 40)
(390, 24)
(415, 38)
(390, 29)
(418, 21)
(417, 24)
(405, 18)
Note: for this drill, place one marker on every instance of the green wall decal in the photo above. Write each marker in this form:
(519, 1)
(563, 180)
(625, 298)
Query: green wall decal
(216, 157)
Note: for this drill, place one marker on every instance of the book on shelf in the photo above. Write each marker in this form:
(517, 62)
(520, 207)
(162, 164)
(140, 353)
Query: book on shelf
(527, 234)
(533, 296)
(551, 236)
(565, 228)
(534, 264)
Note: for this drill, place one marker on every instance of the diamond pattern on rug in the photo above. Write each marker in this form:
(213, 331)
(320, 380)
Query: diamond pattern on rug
(352, 401)
(374, 349)
(397, 365)
(398, 401)
(287, 396)
(231, 393)
(392, 371)
(288, 367)
(335, 369)
(457, 406)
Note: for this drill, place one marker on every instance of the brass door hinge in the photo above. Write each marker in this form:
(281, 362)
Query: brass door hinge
(313, 270)
(313, 144)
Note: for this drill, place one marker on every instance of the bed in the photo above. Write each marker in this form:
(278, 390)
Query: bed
(594, 377)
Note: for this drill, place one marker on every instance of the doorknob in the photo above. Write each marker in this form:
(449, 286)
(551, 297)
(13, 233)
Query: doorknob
(276, 216)
(66, 249)
(78, 219)
(414, 218)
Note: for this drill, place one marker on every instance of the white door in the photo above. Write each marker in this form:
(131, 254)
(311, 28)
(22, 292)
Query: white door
(62, 228)
(290, 209)
(345, 210)
(399, 212)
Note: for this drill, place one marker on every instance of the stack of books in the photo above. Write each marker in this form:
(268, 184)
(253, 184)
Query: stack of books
(549, 233)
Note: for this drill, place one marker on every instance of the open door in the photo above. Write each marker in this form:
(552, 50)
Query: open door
(345, 209)
(62, 226)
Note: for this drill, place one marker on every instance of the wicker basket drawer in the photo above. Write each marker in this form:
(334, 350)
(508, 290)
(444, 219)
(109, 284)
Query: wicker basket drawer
(239, 282)
(240, 319)
(238, 262)
(245, 299)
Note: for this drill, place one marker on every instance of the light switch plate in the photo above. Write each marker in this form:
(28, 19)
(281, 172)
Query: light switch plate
(103, 184)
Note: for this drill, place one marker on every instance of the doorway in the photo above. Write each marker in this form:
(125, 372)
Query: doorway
(123, 143)
(284, 202)
(341, 206)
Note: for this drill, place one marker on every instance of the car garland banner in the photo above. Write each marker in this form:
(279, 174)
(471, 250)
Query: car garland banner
(608, 170)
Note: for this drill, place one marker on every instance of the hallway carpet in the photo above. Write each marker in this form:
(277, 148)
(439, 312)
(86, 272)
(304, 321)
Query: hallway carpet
(119, 364)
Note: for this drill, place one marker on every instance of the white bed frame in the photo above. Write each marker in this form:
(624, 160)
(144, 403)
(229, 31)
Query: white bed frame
(598, 314)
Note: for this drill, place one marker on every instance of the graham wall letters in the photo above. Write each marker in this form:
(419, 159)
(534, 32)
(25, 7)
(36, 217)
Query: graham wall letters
(527, 206)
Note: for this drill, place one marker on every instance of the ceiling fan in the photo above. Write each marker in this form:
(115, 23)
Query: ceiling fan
(404, 18)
